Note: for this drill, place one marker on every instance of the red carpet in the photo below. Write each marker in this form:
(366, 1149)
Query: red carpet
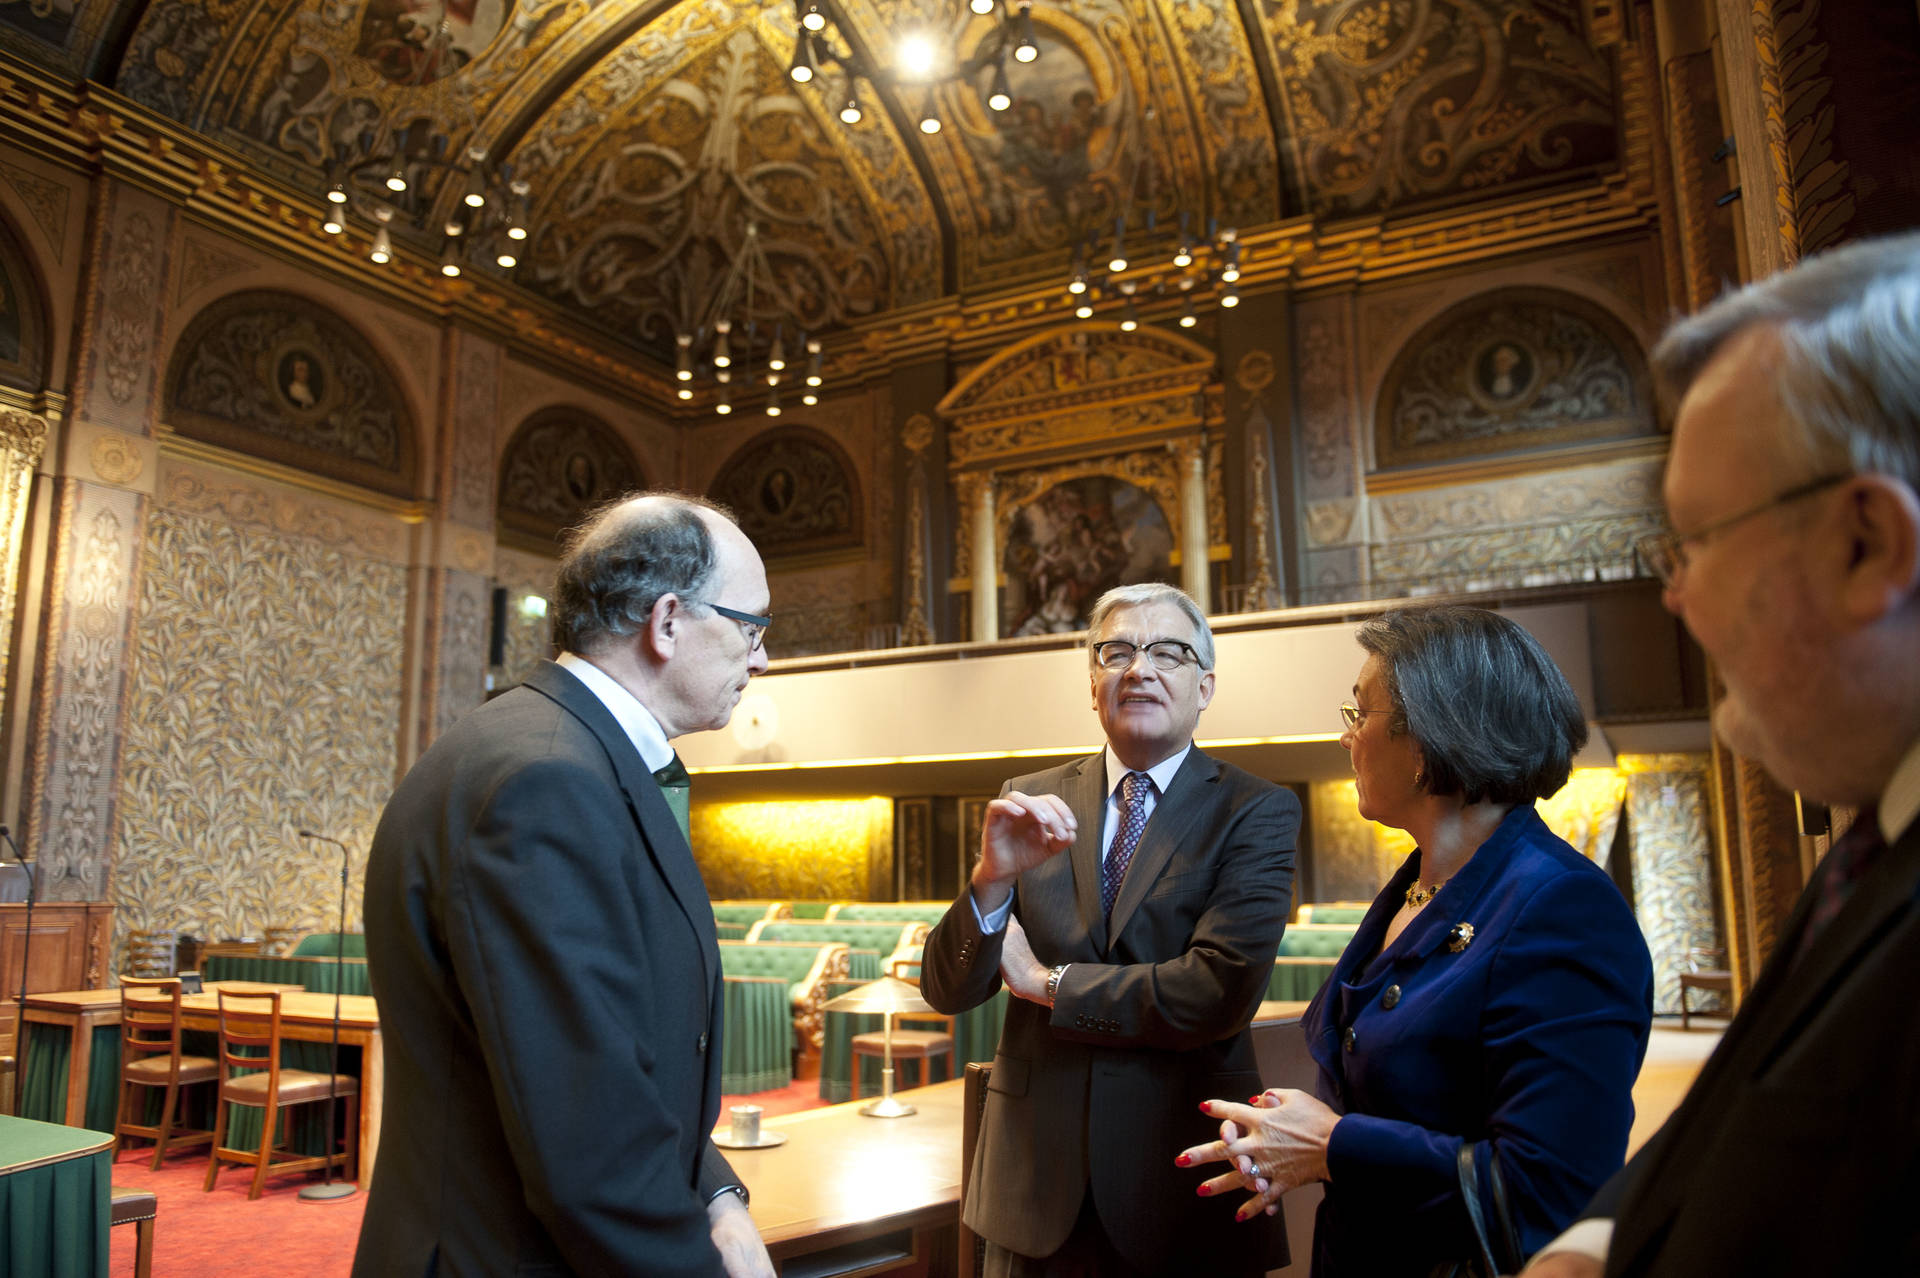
(222, 1235)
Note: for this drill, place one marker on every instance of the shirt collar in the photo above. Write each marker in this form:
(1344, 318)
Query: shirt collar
(1901, 803)
(634, 719)
(1161, 772)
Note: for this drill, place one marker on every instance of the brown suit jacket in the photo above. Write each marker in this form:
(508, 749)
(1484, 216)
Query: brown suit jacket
(1151, 1019)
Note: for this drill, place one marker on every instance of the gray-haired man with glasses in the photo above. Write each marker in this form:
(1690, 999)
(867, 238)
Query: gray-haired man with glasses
(1793, 487)
(1132, 902)
(542, 946)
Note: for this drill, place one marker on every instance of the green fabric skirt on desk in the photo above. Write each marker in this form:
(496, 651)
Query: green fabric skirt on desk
(53, 1216)
(756, 1040)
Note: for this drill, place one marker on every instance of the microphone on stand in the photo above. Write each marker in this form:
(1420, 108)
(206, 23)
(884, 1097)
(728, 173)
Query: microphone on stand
(330, 1189)
(26, 953)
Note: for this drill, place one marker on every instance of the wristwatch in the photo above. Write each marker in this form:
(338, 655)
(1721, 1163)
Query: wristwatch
(1053, 981)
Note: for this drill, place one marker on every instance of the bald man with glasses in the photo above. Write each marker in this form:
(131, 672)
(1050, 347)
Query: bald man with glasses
(1131, 902)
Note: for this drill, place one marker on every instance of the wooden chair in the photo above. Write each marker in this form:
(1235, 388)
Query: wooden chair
(253, 1021)
(1714, 980)
(973, 1107)
(150, 954)
(149, 1058)
(136, 1207)
(921, 1046)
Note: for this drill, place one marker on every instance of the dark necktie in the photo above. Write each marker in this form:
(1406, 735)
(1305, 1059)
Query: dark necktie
(1126, 837)
(677, 787)
(1846, 863)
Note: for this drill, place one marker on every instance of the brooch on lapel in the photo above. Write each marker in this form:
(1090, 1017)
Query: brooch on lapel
(1459, 938)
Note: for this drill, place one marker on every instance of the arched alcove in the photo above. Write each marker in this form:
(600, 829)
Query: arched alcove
(795, 492)
(277, 376)
(559, 464)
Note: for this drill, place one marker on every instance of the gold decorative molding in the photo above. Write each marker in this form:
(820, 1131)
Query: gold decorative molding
(1419, 478)
(23, 439)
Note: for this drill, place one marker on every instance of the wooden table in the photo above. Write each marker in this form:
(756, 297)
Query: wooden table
(304, 1017)
(858, 1186)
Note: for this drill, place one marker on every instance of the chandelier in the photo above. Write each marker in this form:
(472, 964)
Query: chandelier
(379, 175)
(726, 337)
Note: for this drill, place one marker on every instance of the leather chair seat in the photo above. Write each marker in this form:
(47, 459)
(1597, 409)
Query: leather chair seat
(297, 1087)
(136, 1207)
(911, 1044)
(153, 1071)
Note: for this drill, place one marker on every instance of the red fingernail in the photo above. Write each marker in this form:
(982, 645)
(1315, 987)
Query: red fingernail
(1253, 1100)
(1203, 1107)
(1203, 1191)
(1182, 1161)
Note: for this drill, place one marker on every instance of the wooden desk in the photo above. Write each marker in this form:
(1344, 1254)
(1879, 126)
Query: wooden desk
(304, 1017)
(846, 1181)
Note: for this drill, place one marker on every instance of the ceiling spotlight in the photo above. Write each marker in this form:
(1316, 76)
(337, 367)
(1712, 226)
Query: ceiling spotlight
(804, 65)
(1230, 273)
(683, 360)
(396, 180)
(773, 402)
(809, 399)
(1084, 310)
(455, 227)
(382, 250)
(1118, 261)
(506, 260)
(917, 56)
(981, 7)
(811, 18)
(685, 392)
(1187, 318)
(449, 265)
(929, 123)
(332, 223)
(515, 231)
(722, 354)
(725, 405)
(850, 109)
(337, 193)
(1231, 297)
(999, 96)
(1129, 318)
(777, 357)
(1024, 49)
(476, 189)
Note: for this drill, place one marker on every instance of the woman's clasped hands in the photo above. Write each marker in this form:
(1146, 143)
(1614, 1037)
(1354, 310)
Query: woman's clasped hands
(1275, 1142)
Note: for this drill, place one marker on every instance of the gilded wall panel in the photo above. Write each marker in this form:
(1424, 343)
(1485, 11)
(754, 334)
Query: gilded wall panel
(473, 423)
(264, 699)
(77, 738)
(811, 850)
(127, 312)
(1667, 811)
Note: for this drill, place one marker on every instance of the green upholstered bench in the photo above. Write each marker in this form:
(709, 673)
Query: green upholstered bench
(928, 912)
(318, 944)
(1322, 941)
(806, 967)
(747, 913)
(1297, 980)
(884, 937)
(1335, 912)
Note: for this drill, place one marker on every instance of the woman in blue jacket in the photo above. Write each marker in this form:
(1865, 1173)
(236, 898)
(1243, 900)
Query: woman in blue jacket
(1497, 994)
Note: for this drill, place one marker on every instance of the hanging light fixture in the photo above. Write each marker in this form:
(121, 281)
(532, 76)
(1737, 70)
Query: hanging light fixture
(450, 260)
(1230, 298)
(804, 65)
(981, 7)
(1084, 310)
(811, 18)
(683, 357)
(725, 404)
(813, 361)
(850, 109)
(1129, 317)
(1187, 318)
(777, 357)
(382, 251)
(773, 402)
(1000, 95)
(332, 222)
(1230, 272)
(809, 399)
(1025, 49)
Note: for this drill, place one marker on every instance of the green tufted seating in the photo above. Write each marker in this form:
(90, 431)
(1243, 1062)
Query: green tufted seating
(884, 937)
(1307, 955)
(747, 913)
(1315, 940)
(318, 944)
(809, 909)
(1337, 912)
(928, 912)
(806, 967)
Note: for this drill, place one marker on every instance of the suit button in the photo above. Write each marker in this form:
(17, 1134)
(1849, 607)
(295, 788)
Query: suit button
(1080, 1022)
(703, 1045)
(1350, 1038)
(1391, 999)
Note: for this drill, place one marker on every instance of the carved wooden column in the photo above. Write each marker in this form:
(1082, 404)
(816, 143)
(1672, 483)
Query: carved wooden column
(1193, 519)
(978, 493)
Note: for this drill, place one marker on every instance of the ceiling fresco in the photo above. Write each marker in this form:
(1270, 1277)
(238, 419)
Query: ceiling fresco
(648, 134)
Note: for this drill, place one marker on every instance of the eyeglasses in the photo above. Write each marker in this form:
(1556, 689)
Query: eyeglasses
(755, 628)
(1665, 553)
(1353, 714)
(1166, 654)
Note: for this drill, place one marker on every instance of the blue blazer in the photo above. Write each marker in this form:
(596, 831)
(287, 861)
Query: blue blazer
(1526, 1040)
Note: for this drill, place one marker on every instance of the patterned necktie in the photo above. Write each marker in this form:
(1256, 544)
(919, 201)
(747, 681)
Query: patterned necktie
(677, 788)
(1846, 863)
(1133, 819)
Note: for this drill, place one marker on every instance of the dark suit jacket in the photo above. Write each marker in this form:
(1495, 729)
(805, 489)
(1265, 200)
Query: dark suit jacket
(1526, 1041)
(1797, 1151)
(1150, 1020)
(543, 953)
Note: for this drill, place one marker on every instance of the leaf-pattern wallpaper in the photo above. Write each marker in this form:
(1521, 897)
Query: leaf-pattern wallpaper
(265, 699)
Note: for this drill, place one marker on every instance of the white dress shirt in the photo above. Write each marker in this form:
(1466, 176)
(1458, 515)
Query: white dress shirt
(634, 719)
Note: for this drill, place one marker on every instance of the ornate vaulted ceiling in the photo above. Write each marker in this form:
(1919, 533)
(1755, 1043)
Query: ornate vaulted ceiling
(649, 135)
